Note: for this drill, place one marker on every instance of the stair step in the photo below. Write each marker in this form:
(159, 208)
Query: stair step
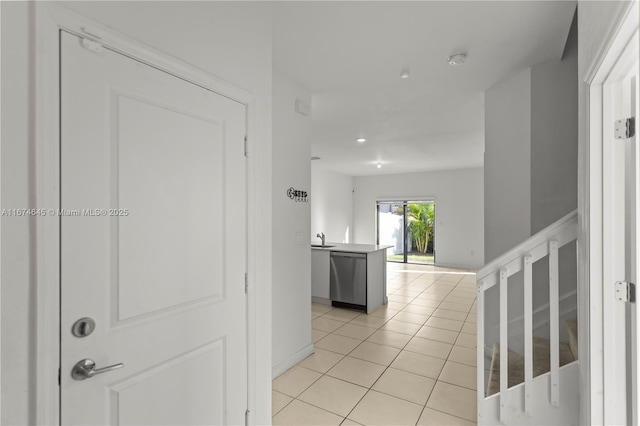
(572, 328)
(541, 363)
(516, 370)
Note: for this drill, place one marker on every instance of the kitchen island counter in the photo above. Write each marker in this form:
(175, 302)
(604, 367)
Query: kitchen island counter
(322, 268)
(352, 248)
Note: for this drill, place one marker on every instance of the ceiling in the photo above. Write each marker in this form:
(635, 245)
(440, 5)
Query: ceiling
(350, 56)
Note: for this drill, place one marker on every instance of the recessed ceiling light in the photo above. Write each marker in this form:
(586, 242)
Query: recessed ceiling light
(361, 140)
(404, 74)
(379, 165)
(457, 59)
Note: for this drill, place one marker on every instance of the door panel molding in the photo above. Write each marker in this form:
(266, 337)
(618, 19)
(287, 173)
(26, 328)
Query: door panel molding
(50, 19)
(138, 320)
(189, 359)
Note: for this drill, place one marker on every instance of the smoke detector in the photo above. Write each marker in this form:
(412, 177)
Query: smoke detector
(457, 59)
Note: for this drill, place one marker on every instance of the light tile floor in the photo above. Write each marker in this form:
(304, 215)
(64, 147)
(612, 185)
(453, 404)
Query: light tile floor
(411, 362)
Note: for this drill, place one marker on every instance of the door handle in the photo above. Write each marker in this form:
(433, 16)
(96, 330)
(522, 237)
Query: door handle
(85, 369)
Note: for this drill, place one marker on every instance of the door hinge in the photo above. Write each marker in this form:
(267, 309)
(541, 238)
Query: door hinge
(625, 128)
(92, 45)
(246, 283)
(246, 418)
(625, 291)
(246, 146)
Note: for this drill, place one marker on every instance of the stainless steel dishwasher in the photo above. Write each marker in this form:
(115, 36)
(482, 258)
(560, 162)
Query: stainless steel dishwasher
(348, 280)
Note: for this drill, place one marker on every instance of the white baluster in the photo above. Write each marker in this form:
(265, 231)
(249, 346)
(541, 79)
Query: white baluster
(480, 352)
(554, 313)
(528, 335)
(504, 346)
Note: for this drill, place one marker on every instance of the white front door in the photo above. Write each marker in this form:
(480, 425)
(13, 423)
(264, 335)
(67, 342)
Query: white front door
(153, 245)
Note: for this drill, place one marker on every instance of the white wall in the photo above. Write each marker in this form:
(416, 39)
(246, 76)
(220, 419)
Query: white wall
(507, 164)
(554, 167)
(531, 125)
(554, 136)
(229, 40)
(459, 197)
(507, 185)
(291, 223)
(331, 205)
(16, 267)
(596, 19)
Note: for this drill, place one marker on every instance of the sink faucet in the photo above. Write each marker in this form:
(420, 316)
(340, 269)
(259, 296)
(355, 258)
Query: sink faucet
(321, 236)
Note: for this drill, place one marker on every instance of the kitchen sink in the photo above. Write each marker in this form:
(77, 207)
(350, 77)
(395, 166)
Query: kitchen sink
(320, 246)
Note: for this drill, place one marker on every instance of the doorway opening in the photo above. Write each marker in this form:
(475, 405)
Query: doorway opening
(409, 227)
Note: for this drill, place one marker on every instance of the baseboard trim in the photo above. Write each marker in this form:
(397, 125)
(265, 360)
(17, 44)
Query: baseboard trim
(468, 268)
(320, 300)
(291, 361)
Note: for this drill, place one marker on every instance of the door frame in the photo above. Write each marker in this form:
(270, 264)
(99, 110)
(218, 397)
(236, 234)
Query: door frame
(592, 299)
(50, 19)
(617, 406)
(404, 201)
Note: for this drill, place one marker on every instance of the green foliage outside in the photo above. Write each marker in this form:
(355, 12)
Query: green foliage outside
(420, 221)
(411, 258)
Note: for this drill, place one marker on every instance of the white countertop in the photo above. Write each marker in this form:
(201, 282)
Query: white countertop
(352, 248)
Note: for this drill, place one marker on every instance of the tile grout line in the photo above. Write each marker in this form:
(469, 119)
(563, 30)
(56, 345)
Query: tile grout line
(381, 374)
(446, 359)
(401, 350)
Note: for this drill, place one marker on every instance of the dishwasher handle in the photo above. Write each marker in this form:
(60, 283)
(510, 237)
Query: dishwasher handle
(349, 254)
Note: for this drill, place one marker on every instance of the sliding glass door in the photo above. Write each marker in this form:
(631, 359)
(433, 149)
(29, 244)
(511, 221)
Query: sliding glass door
(392, 229)
(409, 227)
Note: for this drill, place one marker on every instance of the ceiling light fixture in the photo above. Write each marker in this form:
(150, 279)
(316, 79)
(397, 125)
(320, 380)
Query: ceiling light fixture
(404, 74)
(457, 59)
(361, 140)
(379, 165)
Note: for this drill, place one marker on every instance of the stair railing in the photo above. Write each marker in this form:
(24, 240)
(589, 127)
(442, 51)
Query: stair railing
(497, 272)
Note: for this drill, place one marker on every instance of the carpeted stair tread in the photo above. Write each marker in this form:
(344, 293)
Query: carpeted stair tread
(541, 363)
(542, 357)
(572, 328)
(516, 370)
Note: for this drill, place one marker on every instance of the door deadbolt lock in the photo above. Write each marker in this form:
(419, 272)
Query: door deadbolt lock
(83, 327)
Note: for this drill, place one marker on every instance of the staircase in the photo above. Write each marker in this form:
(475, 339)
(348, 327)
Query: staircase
(540, 385)
(541, 359)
